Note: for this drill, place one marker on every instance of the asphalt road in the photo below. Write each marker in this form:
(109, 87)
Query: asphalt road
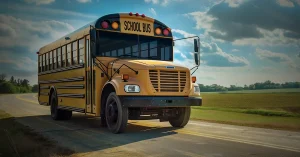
(152, 138)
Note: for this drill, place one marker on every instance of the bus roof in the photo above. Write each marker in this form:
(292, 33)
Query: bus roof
(85, 30)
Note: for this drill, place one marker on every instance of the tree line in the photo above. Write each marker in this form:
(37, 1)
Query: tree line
(256, 86)
(16, 85)
(22, 86)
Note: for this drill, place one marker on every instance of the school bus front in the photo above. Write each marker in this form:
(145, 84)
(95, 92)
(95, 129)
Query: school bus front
(130, 74)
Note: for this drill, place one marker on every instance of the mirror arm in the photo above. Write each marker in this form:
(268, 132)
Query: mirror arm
(195, 69)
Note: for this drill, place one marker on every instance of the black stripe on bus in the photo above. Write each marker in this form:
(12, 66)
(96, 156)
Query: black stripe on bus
(45, 87)
(69, 108)
(44, 93)
(44, 103)
(71, 87)
(72, 79)
(71, 95)
(62, 69)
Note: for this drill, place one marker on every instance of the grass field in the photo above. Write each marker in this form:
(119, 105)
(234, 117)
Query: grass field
(286, 90)
(18, 140)
(275, 110)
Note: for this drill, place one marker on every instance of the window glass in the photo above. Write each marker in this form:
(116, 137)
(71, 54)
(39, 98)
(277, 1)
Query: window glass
(153, 48)
(40, 63)
(68, 55)
(63, 54)
(81, 50)
(50, 60)
(47, 61)
(135, 50)
(114, 53)
(44, 62)
(54, 59)
(144, 50)
(74, 50)
(58, 57)
(120, 52)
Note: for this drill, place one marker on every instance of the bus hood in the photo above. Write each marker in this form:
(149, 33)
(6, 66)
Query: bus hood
(150, 64)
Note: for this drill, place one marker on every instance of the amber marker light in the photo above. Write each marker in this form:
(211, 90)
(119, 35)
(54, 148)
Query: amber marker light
(125, 77)
(115, 25)
(158, 31)
(194, 79)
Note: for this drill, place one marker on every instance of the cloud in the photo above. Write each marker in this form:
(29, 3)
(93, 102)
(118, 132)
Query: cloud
(287, 3)
(298, 55)
(234, 3)
(273, 56)
(84, 1)
(235, 50)
(277, 58)
(40, 2)
(162, 2)
(253, 22)
(31, 34)
(212, 54)
(152, 11)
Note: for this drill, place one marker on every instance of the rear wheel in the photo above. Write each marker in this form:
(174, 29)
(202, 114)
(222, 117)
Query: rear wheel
(56, 114)
(181, 118)
(116, 116)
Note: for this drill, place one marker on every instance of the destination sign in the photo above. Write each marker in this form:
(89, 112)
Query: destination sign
(136, 26)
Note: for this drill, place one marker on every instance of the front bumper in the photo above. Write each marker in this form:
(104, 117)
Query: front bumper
(158, 101)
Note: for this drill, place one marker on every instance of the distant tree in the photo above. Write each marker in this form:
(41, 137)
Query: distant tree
(2, 77)
(12, 80)
(7, 87)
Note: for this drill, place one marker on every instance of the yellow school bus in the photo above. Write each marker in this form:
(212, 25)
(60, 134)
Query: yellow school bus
(119, 67)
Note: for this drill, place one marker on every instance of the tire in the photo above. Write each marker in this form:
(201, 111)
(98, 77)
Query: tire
(56, 114)
(116, 116)
(182, 118)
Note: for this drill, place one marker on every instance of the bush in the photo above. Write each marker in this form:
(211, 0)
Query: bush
(7, 87)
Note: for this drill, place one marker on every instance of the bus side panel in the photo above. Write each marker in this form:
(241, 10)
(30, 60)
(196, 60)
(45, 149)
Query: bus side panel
(70, 87)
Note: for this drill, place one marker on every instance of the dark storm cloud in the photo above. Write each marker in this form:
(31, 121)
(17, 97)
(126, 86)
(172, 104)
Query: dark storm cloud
(224, 60)
(243, 21)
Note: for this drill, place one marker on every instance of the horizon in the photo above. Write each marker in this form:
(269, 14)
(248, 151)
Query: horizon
(239, 39)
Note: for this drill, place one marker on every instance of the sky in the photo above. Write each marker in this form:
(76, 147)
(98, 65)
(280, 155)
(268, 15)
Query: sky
(242, 41)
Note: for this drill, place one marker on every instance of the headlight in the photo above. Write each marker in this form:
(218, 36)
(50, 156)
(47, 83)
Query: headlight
(196, 89)
(132, 88)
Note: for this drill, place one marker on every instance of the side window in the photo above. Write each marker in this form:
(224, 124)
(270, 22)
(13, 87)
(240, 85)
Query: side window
(63, 54)
(58, 57)
(114, 53)
(127, 51)
(47, 61)
(50, 60)
(54, 59)
(167, 53)
(44, 62)
(81, 50)
(40, 63)
(68, 55)
(74, 52)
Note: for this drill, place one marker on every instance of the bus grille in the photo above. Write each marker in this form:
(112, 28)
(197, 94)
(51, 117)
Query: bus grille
(168, 81)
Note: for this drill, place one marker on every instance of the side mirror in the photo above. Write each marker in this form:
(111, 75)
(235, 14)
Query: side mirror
(196, 46)
(197, 58)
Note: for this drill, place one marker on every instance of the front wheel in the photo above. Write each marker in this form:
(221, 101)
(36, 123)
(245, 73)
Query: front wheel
(115, 114)
(181, 118)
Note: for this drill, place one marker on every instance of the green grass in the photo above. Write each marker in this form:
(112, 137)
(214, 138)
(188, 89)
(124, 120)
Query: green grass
(277, 122)
(286, 90)
(275, 110)
(17, 138)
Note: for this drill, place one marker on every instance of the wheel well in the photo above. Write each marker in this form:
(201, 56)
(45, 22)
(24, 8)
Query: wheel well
(105, 92)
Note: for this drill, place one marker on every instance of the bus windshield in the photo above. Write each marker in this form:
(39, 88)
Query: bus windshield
(120, 45)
